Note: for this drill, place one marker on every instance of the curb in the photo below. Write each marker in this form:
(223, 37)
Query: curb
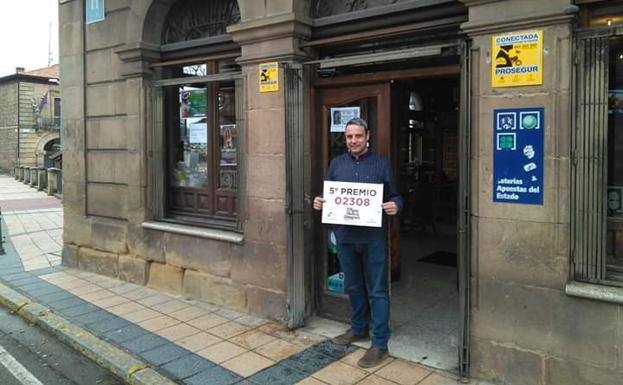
(125, 366)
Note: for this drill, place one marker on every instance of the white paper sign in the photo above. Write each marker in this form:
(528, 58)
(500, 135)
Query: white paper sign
(353, 204)
(341, 115)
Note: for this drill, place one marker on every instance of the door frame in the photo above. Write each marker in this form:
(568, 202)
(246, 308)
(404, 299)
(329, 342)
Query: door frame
(335, 305)
(461, 70)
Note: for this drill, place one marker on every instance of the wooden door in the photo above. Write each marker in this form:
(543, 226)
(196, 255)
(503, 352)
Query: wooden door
(373, 101)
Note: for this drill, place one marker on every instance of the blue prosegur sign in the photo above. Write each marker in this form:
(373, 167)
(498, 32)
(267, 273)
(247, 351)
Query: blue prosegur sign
(94, 10)
(518, 155)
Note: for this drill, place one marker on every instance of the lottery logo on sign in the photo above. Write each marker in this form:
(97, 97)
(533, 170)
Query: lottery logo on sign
(355, 204)
(269, 77)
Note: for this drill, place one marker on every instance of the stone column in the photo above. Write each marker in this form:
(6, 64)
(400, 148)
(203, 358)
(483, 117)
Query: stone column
(521, 251)
(270, 31)
(42, 178)
(52, 185)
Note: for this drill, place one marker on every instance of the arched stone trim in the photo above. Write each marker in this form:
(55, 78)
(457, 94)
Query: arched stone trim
(40, 148)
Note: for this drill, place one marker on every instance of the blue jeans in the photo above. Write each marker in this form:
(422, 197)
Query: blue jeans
(367, 261)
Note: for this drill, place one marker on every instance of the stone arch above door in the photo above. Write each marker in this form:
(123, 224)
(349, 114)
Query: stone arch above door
(42, 142)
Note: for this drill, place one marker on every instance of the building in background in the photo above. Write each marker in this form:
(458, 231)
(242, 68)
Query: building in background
(196, 133)
(30, 119)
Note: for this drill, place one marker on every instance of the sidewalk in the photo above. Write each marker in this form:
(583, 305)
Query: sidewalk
(150, 337)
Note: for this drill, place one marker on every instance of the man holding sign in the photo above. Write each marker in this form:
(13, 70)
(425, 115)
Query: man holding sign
(356, 206)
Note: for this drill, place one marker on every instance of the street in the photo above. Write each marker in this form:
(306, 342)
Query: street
(30, 356)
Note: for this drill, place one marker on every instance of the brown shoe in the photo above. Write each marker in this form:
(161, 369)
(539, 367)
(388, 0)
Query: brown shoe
(373, 357)
(349, 337)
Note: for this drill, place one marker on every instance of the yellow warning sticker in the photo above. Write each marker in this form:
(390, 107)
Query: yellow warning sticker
(517, 59)
(268, 75)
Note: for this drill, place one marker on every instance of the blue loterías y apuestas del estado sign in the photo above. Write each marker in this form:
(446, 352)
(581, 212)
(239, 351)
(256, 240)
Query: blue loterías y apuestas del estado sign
(518, 155)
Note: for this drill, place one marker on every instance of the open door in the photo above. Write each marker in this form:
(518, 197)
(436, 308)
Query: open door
(373, 103)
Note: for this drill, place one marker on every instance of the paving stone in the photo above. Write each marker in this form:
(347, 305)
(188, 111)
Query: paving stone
(277, 375)
(66, 303)
(164, 354)
(125, 334)
(187, 366)
(144, 343)
(96, 316)
(108, 325)
(47, 298)
(79, 310)
(333, 350)
(215, 375)
(308, 361)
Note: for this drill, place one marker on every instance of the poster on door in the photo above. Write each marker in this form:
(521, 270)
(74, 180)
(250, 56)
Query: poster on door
(517, 59)
(518, 155)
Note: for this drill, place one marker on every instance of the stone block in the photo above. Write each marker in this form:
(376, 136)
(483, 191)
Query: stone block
(68, 43)
(207, 255)
(109, 167)
(102, 65)
(76, 228)
(267, 303)
(73, 134)
(166, 277)
(98, 262)
(266, 177)
(71, 71)
(278, 7)
(266, 220)
(523, 253)
(216, 290)
(504, 364)
(262, 264)
(73, 166)
(109, 235)
(105, 99)
(546, 321)
(563, 372)
(107, 200)
(107, 133)
(110, 33)
(133, 269)
(266, 132)
(70, 255)
(145, 243)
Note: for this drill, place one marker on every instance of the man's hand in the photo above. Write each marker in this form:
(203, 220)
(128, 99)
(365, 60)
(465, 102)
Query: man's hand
(391, 208)
(318, 201)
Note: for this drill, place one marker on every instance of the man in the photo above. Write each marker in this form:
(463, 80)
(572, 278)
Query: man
(362, 251)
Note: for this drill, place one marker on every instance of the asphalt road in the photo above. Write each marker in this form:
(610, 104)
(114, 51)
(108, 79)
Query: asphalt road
(30, 356)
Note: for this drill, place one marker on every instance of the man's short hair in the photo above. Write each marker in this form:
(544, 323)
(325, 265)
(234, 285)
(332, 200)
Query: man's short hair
(358, 122)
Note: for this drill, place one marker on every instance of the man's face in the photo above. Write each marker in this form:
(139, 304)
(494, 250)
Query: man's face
(356, 139)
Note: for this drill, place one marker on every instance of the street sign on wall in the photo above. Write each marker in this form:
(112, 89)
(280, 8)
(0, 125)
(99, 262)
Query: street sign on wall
(518, 155)
(94, 10)
(517, 59)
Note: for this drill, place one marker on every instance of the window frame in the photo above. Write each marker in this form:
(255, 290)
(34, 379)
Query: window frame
(588, 236)
(159, 176)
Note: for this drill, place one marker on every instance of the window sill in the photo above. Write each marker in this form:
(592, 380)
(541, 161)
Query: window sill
(592, 291)
(219, 235)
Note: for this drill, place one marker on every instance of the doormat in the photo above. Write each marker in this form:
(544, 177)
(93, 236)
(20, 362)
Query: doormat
(444, 258)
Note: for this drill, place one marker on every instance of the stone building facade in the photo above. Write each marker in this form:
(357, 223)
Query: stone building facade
(193, 145)
(29, 117)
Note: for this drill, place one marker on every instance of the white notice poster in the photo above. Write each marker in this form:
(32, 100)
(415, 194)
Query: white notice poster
(341, 115)
(354, 204)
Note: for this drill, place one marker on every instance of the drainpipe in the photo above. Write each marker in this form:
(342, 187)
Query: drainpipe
(18, 124)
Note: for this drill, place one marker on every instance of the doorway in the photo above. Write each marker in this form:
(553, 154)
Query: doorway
(425, 316)
(415, 123)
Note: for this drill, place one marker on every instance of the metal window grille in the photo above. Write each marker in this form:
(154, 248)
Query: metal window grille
(589, 167)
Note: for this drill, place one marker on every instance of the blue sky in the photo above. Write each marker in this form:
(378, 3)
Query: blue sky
(24, 31)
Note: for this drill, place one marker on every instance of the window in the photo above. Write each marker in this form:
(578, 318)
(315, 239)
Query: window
(597, 167)
(57, 112)
(201, 134)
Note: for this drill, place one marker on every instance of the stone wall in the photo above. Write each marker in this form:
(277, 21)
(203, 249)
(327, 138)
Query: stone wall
(106, 163)
(8, 126)
(524, 329)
